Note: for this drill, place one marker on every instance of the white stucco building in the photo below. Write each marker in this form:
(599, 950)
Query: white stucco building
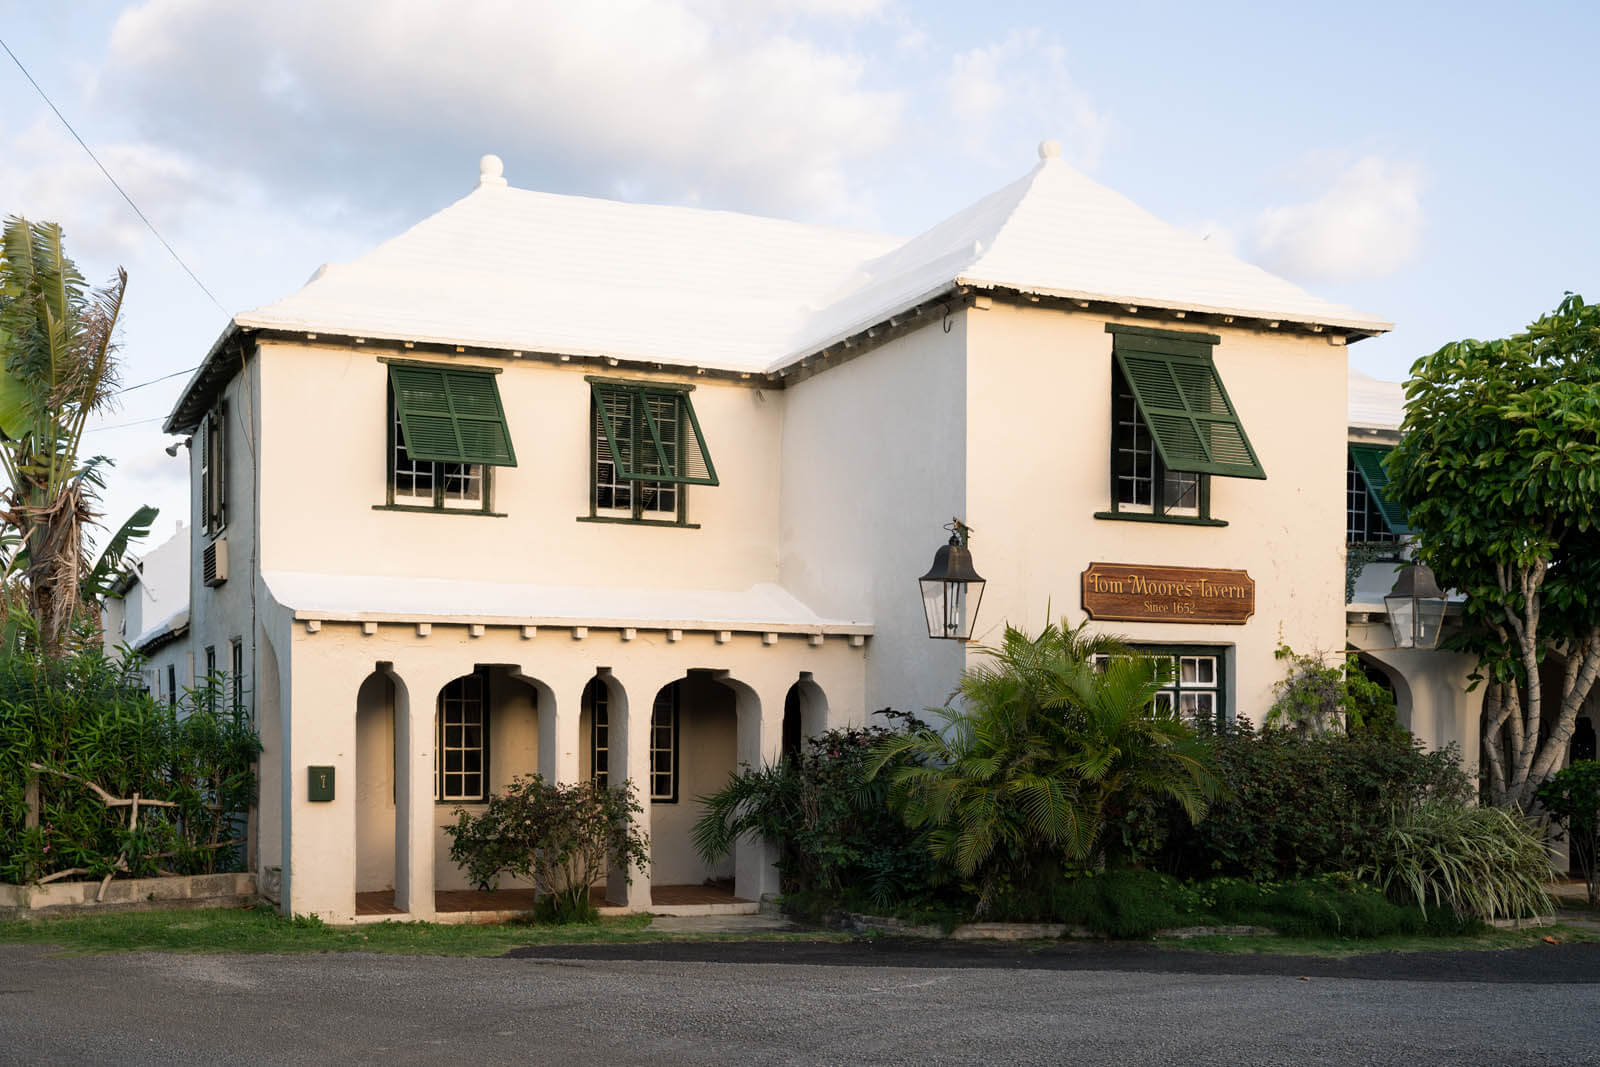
(555, 484)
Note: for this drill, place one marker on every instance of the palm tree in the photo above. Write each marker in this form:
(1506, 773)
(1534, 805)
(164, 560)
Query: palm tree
(57, 367)
(1048, 736)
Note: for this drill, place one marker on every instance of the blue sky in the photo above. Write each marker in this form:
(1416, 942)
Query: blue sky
(1425, 162)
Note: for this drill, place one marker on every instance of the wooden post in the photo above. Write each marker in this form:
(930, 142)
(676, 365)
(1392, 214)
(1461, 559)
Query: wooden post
(30, 798)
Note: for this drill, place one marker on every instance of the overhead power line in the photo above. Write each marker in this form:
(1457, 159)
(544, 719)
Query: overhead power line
(142, 217)
(153, 381)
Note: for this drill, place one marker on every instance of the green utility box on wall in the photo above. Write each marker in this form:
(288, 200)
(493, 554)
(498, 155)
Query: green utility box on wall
(319, 783)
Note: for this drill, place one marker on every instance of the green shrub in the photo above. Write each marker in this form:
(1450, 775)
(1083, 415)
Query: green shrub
(85, 719)
(838, 842)
(1044, 747)
(1297, 806)
(1317, 698)
(1483, 862)
(1572, 797)
(563, 837)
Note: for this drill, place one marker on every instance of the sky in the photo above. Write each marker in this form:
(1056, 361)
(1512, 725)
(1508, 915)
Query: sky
(1428, 163)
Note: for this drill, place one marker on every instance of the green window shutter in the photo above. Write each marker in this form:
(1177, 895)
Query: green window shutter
(450, 415)
(1185, 406)
(1368, 460)
(652, 435)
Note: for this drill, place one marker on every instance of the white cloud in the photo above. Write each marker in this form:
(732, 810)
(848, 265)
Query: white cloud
(681, 99)
(1366, 222)
(1021, 84)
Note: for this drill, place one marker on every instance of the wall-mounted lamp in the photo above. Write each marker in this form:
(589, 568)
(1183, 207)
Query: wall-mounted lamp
(952, 590)
(1416, 608)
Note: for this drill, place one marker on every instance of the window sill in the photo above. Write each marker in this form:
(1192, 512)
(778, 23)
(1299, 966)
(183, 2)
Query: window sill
(639, 522)
(439, 511)
(1171, 520)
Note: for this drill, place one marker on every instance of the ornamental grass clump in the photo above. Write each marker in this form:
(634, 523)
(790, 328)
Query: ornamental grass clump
(1483, 862)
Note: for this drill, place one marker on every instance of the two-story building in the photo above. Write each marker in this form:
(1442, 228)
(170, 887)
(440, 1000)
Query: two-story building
(557, 484)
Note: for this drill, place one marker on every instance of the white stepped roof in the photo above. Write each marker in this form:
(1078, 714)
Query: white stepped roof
(1375, 404)
(512, 269)
(385, 598)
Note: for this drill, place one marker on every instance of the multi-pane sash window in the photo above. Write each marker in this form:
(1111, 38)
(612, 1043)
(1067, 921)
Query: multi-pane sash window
(598, 698)
(1173, 425)
(664, 746)
(462, 743)
(646, 446)
(1195, 681)
(1371, 512)
(1141, 482)
(446, 430)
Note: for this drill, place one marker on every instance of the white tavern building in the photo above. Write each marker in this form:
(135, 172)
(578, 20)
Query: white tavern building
(558, 484)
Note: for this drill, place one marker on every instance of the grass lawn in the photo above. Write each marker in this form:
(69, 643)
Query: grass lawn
(244, 930)
(262, 930)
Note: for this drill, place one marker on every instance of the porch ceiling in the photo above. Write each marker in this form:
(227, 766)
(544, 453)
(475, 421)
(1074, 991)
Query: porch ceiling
(371, 598)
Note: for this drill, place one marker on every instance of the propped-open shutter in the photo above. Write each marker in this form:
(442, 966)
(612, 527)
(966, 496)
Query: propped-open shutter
(1184, 405)
(653, 435)
(450, 415)
(480, 420)
(1368, 460)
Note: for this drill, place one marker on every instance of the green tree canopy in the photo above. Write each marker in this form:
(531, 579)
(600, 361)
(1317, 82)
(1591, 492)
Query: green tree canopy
(1499, 469)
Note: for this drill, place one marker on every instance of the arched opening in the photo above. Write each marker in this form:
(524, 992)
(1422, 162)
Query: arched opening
(805, 714)
(1392, 679)
(486, 733)
(693, 750)
(375, 786)
(596, 719)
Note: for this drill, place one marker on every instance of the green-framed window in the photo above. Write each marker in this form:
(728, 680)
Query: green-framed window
(1371, 514)
(1173, 426)
(646, 448)
(664, 721)
(461, 746)
(447, 433)
(597, 700)
(1197, 686)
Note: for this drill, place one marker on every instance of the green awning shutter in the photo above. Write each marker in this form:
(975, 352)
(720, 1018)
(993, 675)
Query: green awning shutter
(652, 434)
(1185, 407)
(451, 415)
(1368, 460)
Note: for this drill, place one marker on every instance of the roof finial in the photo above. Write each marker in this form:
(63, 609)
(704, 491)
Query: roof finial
(1049, 149)
(491, 171)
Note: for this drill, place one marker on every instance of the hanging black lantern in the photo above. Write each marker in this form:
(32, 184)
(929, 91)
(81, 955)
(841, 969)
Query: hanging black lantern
(952, 589)
(1416, 608)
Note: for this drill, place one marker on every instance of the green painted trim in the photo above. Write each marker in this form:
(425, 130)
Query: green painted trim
(618, 520)
(1169, 335)
(637, 383)
(1162, 365)
(436, 364)
(440, 511)
(1143, 516)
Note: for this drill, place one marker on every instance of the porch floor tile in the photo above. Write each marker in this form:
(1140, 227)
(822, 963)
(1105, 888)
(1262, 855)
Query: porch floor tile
(466, 900)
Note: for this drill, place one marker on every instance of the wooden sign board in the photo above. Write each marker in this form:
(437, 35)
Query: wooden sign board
(1130, 592)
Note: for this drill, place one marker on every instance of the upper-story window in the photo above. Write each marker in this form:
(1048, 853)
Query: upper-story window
(447, 431)
(1371, 515)
(645, 449)
(1173, 427)
(214, 471)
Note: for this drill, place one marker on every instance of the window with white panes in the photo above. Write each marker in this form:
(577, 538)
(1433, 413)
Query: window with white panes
(1142, 484)
(1196, 684)
(1363, 521)
(616, 496)
(598, 700)
(664, 746)
(461, 746)
(236, 673)
(428, 484)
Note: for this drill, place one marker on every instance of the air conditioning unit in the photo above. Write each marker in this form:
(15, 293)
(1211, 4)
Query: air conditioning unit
(214, 562)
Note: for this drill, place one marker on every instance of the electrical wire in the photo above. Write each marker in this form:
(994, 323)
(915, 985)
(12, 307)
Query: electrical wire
(153, 381)
(125, 425)
(142, 217)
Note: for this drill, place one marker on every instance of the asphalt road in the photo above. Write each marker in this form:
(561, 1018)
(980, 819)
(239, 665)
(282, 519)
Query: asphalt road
(845, 1004)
